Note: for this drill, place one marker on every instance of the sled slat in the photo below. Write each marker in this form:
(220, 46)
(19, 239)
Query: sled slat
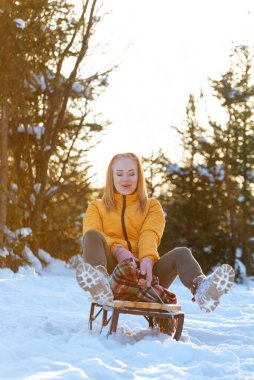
(169, 321)
(145, 305)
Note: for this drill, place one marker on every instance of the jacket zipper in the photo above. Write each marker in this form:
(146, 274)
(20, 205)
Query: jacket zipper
(123, 223)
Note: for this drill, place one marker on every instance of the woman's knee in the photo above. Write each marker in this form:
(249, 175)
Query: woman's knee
(183, 251)
(92, 235)
(93, 245)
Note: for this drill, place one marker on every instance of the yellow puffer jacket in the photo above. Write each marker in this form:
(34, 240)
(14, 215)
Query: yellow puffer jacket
(138, 232)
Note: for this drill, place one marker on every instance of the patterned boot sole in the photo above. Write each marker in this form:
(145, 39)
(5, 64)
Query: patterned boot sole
(221, 282)
(94, 281)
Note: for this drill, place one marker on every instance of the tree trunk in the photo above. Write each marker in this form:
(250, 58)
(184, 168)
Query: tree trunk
(245, 211)
(4, 170)
(230, 200)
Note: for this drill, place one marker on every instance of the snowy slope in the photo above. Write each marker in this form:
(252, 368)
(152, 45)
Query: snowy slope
(44, 335)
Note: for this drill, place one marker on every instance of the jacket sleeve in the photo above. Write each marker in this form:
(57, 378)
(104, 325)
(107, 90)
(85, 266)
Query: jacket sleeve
(151, 231)
(93, 221)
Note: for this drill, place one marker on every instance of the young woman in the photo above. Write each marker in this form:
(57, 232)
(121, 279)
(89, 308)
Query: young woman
(126, 224)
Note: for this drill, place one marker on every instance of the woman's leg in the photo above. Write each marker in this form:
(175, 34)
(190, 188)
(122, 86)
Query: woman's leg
(96, 252)
(206, 290)
(93, 273)
(181, 262)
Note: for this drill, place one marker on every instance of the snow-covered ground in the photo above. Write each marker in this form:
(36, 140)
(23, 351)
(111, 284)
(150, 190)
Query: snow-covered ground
(44, 335)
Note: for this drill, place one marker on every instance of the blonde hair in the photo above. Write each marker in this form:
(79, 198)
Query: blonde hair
(108, 197)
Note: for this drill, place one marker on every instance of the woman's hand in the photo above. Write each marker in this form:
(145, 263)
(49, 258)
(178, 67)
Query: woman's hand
(146, 269)
(120, 253)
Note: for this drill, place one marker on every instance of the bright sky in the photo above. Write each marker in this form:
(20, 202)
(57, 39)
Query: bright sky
(175, 46)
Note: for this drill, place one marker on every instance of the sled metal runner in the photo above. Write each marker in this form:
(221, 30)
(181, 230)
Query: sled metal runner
(169, 321)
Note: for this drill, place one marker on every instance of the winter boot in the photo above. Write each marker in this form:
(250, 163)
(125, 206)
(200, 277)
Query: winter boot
(208, 290)
(95, 280)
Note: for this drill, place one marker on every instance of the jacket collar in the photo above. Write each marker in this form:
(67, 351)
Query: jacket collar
(132, 198)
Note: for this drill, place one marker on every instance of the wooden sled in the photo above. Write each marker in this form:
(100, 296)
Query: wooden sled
(167, 317)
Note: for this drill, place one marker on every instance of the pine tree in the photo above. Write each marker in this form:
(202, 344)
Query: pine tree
(213, 188)
(191, 216)
(52, 126)
(155, 167)
(13, 70)
(235, 141)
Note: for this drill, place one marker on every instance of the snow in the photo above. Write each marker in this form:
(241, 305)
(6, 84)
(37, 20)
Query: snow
(21, 24)
(32, 259)
(44, 334)
(40, 81)
(241, 198)
(45, 256)
(239, 252)
(32, 199)
(203, 171)
(220, 172)
(88, 92)
(241, 267)
(24, 232)
(104, 81)
(202, 138)
(14, 186)
(208, 249)
(37, 130)
(250, 175)
(233, 93)
(4, 252)
(78, 87)
(51, 190)
(37, 187)
(173, 168)
(44, 216)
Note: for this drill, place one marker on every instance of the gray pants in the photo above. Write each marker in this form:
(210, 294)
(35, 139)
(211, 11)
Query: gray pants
(179, 261)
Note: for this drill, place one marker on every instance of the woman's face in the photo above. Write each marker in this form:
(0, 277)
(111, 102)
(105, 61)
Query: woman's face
(125, 175)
